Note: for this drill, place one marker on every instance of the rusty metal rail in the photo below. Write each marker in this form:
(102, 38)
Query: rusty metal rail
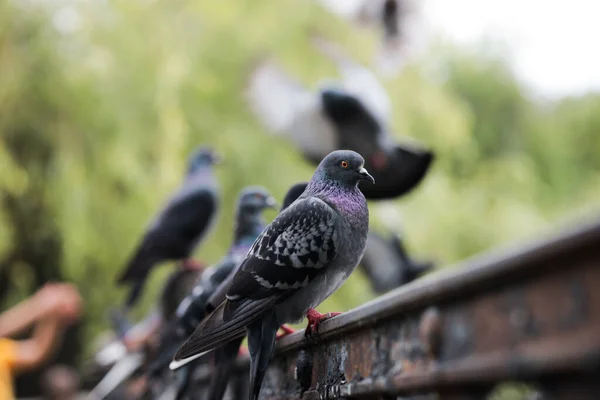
(530, 314)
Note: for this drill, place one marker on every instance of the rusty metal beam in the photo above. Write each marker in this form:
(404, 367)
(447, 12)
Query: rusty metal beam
(528, 314)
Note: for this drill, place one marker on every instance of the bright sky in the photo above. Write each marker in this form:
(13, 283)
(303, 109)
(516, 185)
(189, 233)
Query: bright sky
(555, 44)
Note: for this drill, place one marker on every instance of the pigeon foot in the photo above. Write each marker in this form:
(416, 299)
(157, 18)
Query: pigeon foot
(314, 319)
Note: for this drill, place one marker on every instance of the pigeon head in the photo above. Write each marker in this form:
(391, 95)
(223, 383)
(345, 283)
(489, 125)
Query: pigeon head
(292, 194)
(345, 167)
(203, 157)
(255, 199)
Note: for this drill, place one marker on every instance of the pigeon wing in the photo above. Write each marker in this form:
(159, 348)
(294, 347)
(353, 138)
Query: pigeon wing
(276, 98)
(220, 294)
(358, 81)
(288, 255)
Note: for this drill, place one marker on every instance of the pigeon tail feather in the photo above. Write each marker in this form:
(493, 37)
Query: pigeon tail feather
(138, 266)
(216, 330)
(225, 357)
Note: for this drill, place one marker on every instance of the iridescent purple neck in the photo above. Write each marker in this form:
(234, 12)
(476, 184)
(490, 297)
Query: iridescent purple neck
(346, 198)
(322, 186)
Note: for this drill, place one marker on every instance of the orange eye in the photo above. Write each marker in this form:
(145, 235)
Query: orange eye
(344, 164)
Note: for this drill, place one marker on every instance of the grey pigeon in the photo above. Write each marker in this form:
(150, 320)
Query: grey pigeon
(252, 201)
(300, 259)
(352, 114)
(388, 265)
(180, 226)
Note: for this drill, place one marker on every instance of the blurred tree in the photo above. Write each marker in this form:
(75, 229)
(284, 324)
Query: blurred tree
(101, 102)
(28, 117)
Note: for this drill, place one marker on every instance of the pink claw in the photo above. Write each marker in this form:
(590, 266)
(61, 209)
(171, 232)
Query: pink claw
(314, 319)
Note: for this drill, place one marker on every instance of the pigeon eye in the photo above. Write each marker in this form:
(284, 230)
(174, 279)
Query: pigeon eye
(344, 164)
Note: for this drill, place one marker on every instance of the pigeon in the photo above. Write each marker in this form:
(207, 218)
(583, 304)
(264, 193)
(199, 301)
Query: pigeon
(353, 114)
(252, 201)
(300, 259)
(179, 227)
(397, 20)
(388, 265)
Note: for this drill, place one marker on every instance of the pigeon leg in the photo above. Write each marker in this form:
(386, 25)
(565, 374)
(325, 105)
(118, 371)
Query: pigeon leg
(192, 265)
(261, 341)
(314, 318)
(286, 331)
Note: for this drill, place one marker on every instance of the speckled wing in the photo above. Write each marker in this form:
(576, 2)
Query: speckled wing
(220, 294)
(297, 247)
(290, 253)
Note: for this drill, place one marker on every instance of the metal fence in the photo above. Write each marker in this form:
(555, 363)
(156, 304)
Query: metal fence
(527, 314)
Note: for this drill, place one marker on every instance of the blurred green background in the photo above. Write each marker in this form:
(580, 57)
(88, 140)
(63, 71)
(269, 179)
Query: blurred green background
(97, 119)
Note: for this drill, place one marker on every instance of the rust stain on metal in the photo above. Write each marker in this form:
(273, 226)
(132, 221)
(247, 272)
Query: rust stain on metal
(430, 330)
(360, 357)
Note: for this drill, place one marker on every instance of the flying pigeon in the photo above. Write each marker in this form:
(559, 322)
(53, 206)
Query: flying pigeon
(300, 259)
(396, 20)
(179, 227)
(353, 114)
(387, 263)
(252, 201)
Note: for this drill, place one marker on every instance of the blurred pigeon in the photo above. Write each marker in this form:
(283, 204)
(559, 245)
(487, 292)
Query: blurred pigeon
(395, 19)
(299, 260)
(191, 310)
(180, 226)
(354, 114)
(388, 265)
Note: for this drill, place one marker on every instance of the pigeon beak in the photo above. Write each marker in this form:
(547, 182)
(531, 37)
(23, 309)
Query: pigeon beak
(364, 174)
(271, 202)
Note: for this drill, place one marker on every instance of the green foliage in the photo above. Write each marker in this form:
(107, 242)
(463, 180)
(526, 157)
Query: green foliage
(122, 100)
